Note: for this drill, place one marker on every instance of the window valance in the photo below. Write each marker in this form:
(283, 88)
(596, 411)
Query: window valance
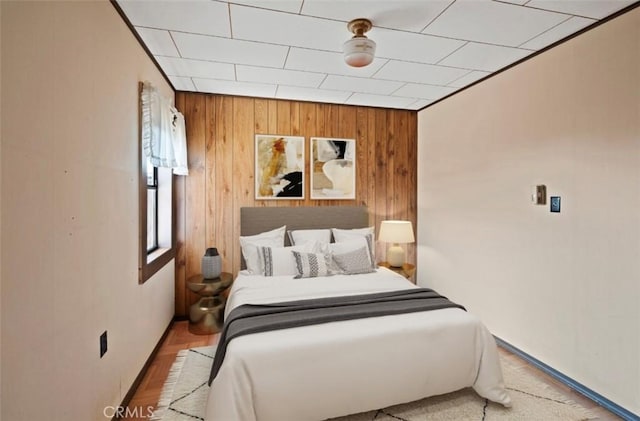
(164, 139)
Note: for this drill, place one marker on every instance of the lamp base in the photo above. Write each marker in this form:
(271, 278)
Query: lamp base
(395, 256)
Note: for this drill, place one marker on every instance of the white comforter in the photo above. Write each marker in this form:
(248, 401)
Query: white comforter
(339, 368)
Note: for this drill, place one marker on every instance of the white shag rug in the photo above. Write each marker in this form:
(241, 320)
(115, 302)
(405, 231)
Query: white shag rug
(184, 397)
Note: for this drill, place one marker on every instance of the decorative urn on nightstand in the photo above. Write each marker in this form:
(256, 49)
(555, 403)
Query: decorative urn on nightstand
(211, 264)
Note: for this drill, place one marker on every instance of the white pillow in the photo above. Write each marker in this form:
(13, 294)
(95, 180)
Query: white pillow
(250, 244)
(280, 261)
(354, 244)
(297, 237)
(340, 235)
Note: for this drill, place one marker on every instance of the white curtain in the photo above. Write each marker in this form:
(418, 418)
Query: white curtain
(164, 138)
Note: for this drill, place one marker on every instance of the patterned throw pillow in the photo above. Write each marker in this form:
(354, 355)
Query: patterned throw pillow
(251, 243)
(312, 265)
(355, 243)
(354, 262)
(279, 261)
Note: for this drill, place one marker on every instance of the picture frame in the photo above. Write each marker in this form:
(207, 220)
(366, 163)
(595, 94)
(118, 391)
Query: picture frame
(279, 167)
(333, 168)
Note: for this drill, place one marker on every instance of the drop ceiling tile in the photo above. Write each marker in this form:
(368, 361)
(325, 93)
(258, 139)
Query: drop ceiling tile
(235, 88)
(358, 84)
(561, 31)
(273, 27)
(520, 2)
(174, 66)
(158, 42)
(200, 17)
(309, 94)
(379, 101)
(291, 6)
(596, 9)
(328, 62)
(203, 47)
(407, 15)
(484, 57)
(420, 103)
(468, 79)
(279, 76)
(419, 73)
(493, 22)
(412, 47)
(182, 83)
(416, 90)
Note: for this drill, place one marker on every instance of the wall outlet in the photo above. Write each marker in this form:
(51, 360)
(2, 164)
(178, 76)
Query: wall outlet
(103, 343)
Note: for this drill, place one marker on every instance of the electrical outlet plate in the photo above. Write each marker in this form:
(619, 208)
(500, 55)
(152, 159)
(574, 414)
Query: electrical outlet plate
(103, 344)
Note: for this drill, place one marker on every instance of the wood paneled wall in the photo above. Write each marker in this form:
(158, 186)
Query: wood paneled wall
(220, 136)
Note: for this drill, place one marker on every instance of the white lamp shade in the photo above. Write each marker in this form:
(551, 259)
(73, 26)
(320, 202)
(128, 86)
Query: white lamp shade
(396, 232)
(359, 51)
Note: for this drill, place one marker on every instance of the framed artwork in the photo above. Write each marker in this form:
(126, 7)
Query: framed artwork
(279, 172)
(333, 168)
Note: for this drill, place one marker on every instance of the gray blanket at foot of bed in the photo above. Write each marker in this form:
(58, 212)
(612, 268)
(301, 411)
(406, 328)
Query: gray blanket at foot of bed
(250, 318)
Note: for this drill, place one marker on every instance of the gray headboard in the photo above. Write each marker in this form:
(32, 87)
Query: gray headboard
(260, 219)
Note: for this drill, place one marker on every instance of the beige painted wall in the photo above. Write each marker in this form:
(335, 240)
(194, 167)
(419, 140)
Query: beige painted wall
(70, 212)
(565, 287)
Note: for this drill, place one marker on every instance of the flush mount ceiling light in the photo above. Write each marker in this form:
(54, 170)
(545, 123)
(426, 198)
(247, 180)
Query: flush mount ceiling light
(359, 50)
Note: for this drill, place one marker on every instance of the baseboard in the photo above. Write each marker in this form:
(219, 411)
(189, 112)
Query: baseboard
(578, 387)
(145, 367)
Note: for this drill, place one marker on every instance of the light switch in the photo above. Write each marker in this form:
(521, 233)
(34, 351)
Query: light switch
(555, 203)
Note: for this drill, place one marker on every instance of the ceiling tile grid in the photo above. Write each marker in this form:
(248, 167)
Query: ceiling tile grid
(292, 49)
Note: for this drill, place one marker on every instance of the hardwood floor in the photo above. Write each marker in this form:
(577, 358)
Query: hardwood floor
(568, 393)
(179, 338)
(148, 392)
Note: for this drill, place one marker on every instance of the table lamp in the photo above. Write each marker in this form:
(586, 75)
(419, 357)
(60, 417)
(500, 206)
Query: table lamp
(396, 232)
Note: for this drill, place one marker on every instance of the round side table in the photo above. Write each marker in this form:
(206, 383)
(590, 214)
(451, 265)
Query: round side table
(407, 270)
(207, 314)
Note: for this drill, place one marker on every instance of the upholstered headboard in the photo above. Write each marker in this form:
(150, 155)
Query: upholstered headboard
(260, 219)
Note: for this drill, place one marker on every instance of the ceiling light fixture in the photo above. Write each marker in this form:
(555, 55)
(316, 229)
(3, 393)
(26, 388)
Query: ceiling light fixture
(359, 50)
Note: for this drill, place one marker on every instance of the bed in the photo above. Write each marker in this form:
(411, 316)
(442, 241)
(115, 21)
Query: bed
(333, 369)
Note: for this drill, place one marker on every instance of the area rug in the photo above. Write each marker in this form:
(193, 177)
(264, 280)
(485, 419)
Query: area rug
(185, 395)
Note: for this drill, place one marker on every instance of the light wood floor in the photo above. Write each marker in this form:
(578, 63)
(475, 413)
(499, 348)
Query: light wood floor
(179, 338)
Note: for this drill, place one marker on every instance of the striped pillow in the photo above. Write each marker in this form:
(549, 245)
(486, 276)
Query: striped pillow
(313, 265)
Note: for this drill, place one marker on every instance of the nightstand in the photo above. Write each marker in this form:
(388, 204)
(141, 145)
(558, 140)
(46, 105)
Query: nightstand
(407, 270)
(206, 315)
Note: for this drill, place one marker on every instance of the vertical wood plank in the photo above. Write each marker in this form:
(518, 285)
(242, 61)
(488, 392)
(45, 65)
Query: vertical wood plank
(261, 110)
(400, 163)
(362, 145)
(195, 120)
(272, 115)
(243, 177)
(381, 172)
(284, 118)
(391, 165)
(371, 167)
(210, 172)
(224, 176)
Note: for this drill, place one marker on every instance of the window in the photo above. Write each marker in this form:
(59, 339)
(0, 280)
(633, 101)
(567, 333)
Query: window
(152, 208)
(156, 226)
(162, 151)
